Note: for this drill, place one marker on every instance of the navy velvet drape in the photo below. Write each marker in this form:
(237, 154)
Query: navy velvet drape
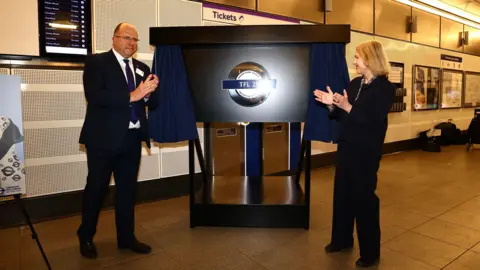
(174, 119)
(328, 67)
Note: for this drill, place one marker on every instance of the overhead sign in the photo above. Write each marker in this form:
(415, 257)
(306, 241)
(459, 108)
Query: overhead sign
(451, 62)
(228, 15)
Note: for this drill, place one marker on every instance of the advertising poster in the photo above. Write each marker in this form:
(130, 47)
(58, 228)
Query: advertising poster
(452, 89)
(426, 87)
(12, 160)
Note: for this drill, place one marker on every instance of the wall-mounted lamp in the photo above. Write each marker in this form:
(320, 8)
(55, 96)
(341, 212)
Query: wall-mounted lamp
(438, 12)
(411, 24)
(464, 38)
(328, 5)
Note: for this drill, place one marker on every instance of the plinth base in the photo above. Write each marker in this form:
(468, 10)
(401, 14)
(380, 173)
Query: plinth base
(269, 202)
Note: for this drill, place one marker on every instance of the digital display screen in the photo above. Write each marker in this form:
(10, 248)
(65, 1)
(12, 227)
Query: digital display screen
(65, 27)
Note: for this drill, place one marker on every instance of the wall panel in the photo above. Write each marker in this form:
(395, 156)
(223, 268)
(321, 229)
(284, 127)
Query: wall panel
(310, 10)
(347, 12)
(19, 27)
(174, 161)
(52, 142)
(55, 105)
(55, 178)
(473, 46)
(149, 167)
(391, 19)
(250, 4)
(191, 14)
(49, 76)
(428, 28)
(450, 35)
(141, 13)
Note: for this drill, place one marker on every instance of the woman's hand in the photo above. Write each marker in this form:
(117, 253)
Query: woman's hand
(342, 101)
(324, 97)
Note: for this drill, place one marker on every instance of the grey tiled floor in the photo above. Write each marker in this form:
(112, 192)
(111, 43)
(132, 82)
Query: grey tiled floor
(430, 219)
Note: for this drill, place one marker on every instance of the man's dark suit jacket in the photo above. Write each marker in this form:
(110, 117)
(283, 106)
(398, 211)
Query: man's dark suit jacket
(109, 109)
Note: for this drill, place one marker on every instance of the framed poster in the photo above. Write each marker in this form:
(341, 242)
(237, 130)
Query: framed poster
(452, 88)
(12, 161)
(426, 87)
(471, 96)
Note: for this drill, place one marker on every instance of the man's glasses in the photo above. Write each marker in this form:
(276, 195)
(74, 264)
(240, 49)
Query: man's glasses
(136, 40)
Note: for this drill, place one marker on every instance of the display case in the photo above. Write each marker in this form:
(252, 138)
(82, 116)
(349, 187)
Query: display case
(397, 76)
(452, 89)
(471, 96)
(426, 87)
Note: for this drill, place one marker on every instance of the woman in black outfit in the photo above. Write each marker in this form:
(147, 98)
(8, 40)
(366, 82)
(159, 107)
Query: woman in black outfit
(363, 115)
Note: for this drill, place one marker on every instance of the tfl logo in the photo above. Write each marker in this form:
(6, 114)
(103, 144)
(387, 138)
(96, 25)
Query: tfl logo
(249, 84)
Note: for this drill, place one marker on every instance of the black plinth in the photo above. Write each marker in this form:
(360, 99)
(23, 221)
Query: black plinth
(267, 201)
(273, 202)
(223, 61)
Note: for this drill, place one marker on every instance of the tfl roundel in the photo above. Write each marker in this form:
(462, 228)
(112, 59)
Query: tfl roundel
(249, 84)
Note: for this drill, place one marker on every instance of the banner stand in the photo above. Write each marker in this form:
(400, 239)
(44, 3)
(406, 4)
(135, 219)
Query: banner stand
(18, 199)
(12, 160)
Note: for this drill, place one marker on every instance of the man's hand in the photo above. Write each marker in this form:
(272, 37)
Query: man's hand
(144, 88)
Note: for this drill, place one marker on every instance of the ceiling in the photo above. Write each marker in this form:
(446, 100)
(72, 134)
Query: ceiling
(472, 6)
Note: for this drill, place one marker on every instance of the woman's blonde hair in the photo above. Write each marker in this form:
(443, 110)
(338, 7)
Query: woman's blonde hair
(374, 57)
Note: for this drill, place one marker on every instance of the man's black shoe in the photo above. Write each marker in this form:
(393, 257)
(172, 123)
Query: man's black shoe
(330, 248)
(367, 263)
(88, 249)
(137, 247)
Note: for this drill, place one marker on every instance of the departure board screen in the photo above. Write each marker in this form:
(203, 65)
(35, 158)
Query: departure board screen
(65, 28)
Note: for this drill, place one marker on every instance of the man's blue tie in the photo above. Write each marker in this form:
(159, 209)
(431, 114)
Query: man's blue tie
(131, 87)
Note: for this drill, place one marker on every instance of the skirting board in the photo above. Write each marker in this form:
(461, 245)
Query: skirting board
(68, 204)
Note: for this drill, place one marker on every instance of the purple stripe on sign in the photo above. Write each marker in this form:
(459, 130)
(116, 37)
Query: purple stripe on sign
(250, 12)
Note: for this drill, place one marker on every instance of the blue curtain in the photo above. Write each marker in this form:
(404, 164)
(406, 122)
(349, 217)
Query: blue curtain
(174, 119)
(328, 67)
(254, 149)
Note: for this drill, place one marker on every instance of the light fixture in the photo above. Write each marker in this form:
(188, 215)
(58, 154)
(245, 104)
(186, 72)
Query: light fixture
(439, 13)
(451, 9)
(64, 26)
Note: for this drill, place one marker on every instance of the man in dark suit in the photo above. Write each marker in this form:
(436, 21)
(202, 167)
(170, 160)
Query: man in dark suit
(117, 88)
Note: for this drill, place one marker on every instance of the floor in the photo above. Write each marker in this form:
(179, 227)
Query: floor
(430, 219)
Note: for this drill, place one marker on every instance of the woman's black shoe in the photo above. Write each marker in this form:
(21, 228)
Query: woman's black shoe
(330, 248)
(366, 263)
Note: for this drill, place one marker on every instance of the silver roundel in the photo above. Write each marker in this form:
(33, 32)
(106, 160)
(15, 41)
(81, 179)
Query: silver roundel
(249, 84)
